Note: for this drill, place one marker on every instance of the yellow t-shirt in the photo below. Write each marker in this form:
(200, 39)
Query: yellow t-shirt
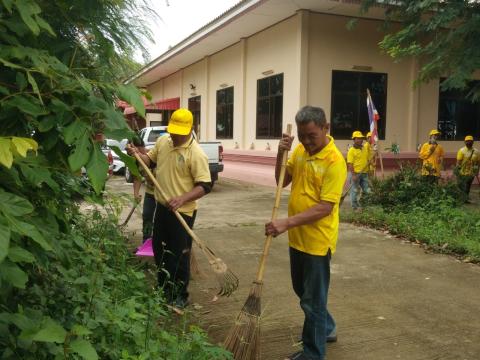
(371, 154)
(179, 169)
(469, 161)
(315, 178)
(359, 159)
(431, 161)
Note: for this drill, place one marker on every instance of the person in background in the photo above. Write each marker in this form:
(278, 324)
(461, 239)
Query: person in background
(358, 165)
(468, 164)
(372, 154)
(317, 172)
(432, 154)
(149, 203)
(184, 177)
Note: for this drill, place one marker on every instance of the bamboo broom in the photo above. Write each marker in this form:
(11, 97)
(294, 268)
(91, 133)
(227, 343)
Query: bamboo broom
(244, 337)
(226, 279)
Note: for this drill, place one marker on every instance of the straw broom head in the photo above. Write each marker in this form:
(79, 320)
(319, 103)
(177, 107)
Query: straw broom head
(243, 339)
(227, 280)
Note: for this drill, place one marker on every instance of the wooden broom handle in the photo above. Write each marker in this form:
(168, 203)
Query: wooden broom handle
(177, 214)
(278, 193)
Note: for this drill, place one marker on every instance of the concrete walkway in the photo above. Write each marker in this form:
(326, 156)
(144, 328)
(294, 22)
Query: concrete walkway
(391, 300)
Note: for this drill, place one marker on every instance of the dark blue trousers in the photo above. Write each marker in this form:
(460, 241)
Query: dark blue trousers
(310, 280)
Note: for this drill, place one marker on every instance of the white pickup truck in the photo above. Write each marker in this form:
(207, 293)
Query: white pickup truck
(213, 149)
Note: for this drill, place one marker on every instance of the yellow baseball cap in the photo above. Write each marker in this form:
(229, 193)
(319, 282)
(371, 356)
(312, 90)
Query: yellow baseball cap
(434, 132)
(180, 122)
(469, 138)
(357, 134)
(368, 134)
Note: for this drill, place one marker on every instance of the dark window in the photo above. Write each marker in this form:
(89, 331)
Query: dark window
(457, 115)
(349, 102)
(195, 106)
(225, 113)
(270, 107)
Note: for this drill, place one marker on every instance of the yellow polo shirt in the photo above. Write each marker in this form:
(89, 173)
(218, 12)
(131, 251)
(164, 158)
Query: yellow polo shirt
(431, 162)
(315, 178)
(359, 159)
(179, 169)
(370, 156)
(469, 161)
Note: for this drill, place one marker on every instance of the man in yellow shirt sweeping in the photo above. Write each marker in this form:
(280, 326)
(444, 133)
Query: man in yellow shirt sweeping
(468, 163)
(317, 172)
(358, 163)
(432, 154)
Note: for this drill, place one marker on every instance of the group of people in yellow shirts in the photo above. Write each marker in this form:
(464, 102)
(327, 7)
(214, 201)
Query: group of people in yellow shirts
(467, 165)
(361, 159)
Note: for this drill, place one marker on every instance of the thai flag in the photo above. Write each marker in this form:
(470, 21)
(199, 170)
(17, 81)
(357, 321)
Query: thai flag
(373, 117)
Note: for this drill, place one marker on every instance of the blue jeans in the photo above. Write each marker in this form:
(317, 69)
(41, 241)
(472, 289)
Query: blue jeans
(310, 280)
(360, 185)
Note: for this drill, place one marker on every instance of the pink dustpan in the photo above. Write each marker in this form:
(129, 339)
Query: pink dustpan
(145, 249)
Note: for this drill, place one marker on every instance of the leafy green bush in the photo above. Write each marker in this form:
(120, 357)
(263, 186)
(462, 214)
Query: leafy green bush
(92, 299)
(443, 228)
(68, 286)
(407, 189)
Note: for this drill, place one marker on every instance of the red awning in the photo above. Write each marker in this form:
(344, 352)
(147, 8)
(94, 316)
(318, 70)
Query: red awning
(166, 104)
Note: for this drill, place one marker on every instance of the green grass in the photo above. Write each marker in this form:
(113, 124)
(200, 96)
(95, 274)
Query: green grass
(442, 227)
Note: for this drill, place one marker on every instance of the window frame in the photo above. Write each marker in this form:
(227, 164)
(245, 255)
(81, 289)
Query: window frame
(361, 104)
(227, 108)
(271, 100)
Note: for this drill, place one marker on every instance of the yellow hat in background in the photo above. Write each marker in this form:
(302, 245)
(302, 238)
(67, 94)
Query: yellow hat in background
(180, 122)
(469, 138)
(357, 134)
(368, 134)
(434, 132)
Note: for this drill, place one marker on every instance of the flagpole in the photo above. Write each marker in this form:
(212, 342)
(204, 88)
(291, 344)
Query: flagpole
(378, 152)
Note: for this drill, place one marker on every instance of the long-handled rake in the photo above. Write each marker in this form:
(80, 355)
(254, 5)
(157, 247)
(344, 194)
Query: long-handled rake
(244, 337)
(134, 206)
(227, 280)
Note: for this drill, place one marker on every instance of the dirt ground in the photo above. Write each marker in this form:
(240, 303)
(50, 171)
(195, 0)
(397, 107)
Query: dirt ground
(391, 300)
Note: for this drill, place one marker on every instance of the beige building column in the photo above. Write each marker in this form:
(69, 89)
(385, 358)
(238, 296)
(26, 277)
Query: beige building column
(413, 110)
(303, 33)
(204, 104)
(242, 94)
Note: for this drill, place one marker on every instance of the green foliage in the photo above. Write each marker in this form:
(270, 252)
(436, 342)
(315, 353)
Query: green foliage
(407, 189)
(69, 288)
(442, 34)
(95, 301)
(407, 205)
(437, 224)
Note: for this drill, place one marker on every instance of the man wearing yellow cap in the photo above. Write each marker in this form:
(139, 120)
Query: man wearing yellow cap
(358, 164)
(432, 154)
(184, 176)
(468, 163)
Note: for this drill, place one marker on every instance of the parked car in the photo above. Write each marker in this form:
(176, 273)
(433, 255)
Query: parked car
(118, 166)
(213, 150)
